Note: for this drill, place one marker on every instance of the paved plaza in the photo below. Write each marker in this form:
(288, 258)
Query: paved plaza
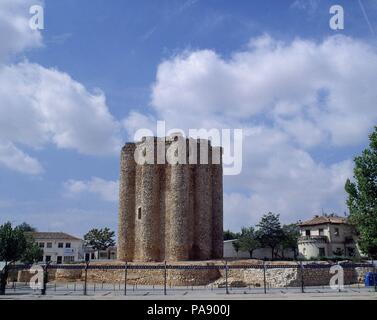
(75, 291)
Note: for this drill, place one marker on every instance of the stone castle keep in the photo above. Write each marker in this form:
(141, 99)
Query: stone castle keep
(171, 211)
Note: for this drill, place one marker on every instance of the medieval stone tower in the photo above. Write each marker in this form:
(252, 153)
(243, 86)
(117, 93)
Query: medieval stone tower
(170, 210)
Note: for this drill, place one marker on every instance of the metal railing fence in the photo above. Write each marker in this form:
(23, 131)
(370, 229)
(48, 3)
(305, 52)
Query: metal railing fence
(306, 277)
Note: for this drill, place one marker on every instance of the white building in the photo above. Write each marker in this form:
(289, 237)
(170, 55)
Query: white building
(100, 255)
(59, 247)
(326, 236)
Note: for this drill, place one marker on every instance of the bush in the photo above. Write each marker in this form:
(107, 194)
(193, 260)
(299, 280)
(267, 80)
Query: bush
(357, 259)
(334, 258)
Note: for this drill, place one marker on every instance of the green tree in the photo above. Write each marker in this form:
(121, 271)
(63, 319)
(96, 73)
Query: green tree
(236, 246)
(13, 243)
(229, 235)
(248, 240)
(100, 239)
(25, 227)
(14, 246)
(291, 234)
(270, 232)
(33, 252)
(362, 197)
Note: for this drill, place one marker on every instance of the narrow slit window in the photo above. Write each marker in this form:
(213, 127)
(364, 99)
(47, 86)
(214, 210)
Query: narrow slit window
(139, 213)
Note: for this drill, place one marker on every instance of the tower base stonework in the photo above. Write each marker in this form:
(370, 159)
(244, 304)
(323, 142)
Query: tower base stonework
(170, 201)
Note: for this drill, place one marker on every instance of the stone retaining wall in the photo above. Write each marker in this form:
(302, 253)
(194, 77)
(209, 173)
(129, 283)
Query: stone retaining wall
(290, 277)
(275, 277)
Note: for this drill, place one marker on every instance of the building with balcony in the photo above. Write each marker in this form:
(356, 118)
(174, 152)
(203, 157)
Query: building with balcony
(59, 247)
(327, 236)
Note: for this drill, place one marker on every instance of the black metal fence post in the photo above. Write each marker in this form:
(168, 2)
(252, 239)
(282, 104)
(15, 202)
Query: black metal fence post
(374, 275)
(226, 277)
(125, 278)
(264, 277)
(165, 278)
(45, 279)
(302, 277)
(2, 287)
(86, 278)
(3, 279)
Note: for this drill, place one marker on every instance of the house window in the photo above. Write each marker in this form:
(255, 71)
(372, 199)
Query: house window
(307, 233)
(336, 232)
(321, 233)
(322, 252)
(41, 244)
(68, 259)
(49, 244)
(60, 245)
(68, 245)
(103, 255)
(139, 213)
(48, 258)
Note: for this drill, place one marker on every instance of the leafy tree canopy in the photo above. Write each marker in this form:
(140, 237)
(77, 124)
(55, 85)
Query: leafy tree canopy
(25, 227)
(291, 234)
(33, 252)
(248, 240)
(13, 243)
(270, 232)
(100, 239)
(229, 235)
(16, 246)
(362, 197)
(236, 245)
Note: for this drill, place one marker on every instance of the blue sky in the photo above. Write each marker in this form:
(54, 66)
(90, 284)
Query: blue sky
(71, 94)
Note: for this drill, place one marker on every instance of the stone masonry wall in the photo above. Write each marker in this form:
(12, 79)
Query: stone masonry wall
(275, 277)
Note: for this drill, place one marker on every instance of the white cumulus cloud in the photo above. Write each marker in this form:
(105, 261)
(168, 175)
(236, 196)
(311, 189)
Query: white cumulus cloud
(292, 99)
(107, 190)
(326, 89)
(13, 158)
(40, 105)
(15, 32)
(43, 106)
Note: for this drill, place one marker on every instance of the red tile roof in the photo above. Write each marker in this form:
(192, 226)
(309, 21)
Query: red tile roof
(52, 236)
(324, 220)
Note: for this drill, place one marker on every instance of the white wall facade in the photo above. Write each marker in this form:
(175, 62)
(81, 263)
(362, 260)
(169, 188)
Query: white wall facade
(102, 255)
(326, 240)
(61, 251)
